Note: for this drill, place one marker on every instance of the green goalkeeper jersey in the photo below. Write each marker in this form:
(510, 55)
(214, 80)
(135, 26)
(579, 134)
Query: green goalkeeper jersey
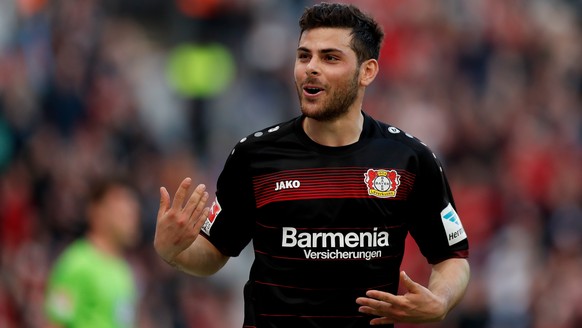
(88, 288)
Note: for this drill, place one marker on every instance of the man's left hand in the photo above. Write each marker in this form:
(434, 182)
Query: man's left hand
(417, 305)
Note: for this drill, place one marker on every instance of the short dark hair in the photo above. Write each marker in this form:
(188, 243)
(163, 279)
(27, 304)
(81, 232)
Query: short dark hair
(99, 188)
(367, 35)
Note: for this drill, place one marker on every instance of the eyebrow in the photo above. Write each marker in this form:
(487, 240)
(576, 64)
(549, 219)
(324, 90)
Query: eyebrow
(323, 51)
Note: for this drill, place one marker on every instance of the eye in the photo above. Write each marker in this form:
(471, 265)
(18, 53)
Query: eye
(331, 58)
(303, 56)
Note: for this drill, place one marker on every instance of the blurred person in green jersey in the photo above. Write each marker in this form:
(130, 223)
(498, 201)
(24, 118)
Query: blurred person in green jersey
(91, 283)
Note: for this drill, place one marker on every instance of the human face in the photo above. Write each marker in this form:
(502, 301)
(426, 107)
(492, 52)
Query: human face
(120, 209)
(326, 73)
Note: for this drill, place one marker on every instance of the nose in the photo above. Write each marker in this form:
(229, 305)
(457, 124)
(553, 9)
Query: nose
(312, 68)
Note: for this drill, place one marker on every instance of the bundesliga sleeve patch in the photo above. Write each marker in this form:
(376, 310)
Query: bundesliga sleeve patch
(214, 210)
(453, 225)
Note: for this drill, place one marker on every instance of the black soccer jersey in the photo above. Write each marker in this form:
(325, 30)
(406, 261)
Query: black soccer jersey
(329, 223)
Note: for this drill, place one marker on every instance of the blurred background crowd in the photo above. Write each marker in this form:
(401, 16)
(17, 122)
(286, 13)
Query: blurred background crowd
(158, 90)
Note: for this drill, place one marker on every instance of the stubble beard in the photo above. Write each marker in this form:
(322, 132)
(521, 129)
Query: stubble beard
(336, 105)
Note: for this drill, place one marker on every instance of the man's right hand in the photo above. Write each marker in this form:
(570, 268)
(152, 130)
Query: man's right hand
(179, 225)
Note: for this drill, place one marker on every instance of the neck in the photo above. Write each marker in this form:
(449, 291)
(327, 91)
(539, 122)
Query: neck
(343, 131)
(103, 245)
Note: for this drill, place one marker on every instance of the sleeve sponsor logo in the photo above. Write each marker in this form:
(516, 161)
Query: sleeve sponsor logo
(214, 210)
(382, 183)
(453, 225)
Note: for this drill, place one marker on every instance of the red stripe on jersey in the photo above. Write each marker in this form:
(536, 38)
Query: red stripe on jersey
(319, 183)
(327, 228)
(296, 287)
(309, 316)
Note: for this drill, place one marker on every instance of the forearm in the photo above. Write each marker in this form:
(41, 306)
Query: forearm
(448, 281)
(199, 259)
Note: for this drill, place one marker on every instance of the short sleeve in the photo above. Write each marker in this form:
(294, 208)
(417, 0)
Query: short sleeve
(434, 223)
(230, 224)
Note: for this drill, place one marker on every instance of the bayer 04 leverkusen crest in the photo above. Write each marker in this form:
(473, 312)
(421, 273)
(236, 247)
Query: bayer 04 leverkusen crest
(382, 183)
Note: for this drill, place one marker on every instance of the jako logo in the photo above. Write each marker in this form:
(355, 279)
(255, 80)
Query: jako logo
(289, 184)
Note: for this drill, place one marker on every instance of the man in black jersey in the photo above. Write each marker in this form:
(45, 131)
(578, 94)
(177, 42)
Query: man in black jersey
(327, 200)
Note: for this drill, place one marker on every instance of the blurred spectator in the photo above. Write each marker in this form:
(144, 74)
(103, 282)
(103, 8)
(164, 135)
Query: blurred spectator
(91, 284)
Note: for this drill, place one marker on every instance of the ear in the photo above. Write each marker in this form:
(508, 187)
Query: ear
(368, 71)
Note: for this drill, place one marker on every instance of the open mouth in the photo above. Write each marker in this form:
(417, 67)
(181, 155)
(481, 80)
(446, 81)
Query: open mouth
(312, 90)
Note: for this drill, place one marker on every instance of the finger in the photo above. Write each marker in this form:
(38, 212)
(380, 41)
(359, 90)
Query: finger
(375, 308)
(383, 296)
(164, 201)
(181, 193)
(196, 201)
(198, 212)
(408, 283)
(373, 304)
(198, 225)
(387, 312)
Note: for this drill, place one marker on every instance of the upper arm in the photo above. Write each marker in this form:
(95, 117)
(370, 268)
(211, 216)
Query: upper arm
(453, 266)
(435, 225)
(231, 222)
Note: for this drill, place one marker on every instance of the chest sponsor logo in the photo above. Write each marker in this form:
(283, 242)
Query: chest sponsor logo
(453, 225)
(214, 210)
(335, 245)
(382, 183)
(288, 184)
